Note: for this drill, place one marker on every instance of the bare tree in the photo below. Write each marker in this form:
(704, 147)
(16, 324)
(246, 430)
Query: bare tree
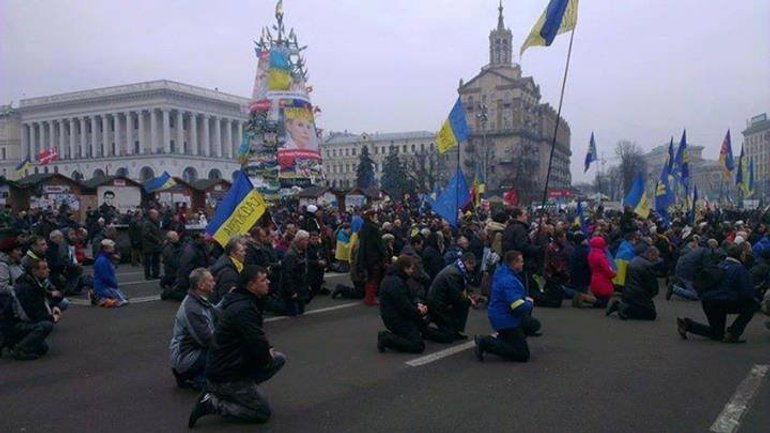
(632, 162)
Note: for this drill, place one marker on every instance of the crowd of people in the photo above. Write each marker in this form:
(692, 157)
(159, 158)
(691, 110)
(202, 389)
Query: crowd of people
(423, 274)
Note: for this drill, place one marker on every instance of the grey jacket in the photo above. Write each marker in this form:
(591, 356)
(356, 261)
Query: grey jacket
(193, 329)
(9, 273)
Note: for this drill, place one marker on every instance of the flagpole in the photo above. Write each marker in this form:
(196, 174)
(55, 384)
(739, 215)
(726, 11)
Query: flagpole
(556, 128)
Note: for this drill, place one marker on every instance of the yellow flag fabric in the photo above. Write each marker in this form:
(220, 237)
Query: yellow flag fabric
(446, 138)
(568, 22)
(278, 80)
(643, 208)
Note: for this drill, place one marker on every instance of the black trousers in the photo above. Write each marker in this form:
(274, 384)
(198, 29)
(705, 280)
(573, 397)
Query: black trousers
(510, 343)
(716, 314)
(31, 337)
(636, 312)
(449, 322)
(152, 265)
(405, 338)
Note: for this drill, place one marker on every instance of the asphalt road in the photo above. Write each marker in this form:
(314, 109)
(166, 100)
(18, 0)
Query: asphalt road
(108, 371)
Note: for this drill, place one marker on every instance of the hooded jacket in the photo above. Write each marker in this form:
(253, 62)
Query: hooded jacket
(225, 275)
(601, 272)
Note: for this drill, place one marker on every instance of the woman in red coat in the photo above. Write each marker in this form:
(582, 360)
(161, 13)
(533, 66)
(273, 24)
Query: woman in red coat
(601, 272)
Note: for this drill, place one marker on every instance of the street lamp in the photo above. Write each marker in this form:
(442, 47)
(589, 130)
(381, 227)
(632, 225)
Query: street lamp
(483, 118)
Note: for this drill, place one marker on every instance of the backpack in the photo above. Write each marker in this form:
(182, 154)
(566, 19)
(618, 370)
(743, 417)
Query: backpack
(709, 275)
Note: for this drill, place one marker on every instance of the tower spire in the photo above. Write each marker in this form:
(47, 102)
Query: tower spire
(500, 24)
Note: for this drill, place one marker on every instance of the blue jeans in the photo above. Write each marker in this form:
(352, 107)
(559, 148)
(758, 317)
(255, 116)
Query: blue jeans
(686, 292)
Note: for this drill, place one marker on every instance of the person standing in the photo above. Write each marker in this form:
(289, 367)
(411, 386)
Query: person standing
(193, 331)
(241, 356)
(508, 309)
(151, 244)
(135, 235)
(294, 276)
(170, 255)
(371, 256)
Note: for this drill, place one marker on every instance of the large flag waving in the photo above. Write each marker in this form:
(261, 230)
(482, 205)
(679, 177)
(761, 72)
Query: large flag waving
(591, 155)
(239, 211)
(751, 177)
(664, 196)
(559, 16)
(726, 159)
(742, 178)
(161, 183)
(682, 162)
(637, 199)
(454, 197)
(454, 130)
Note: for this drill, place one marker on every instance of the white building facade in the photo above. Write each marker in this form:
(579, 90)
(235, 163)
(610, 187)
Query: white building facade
(136, 130)
(341, 152)
(756, 142)
(10, 125)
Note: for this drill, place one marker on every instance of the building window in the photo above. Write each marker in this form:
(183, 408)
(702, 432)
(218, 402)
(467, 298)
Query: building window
(354, 152)
(136, 146)
(403, 148)
(3, 153)
(173, 146)
(413, 148)
(347, 152)
(422, 147)
(376, 150)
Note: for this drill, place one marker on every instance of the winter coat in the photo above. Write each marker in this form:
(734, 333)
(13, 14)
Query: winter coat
(9, 273)
(225, 275)
(762, 247)
(579, 272)
(151, 237)
(239, 345)
(641, 283)
(193, 256)
(448, 291)
(735, 285)
(397, 307)
(32, 299)
(104, 276)
(294, 275)
(516, 237)
(135, 233)
(371, 248)
(507, 303)
(495, 233)
(170, 255)
(432, 260)
(601, 272)
(557, 262)
(193, 331)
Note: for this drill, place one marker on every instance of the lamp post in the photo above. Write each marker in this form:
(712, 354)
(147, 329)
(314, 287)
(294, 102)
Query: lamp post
(483, 118)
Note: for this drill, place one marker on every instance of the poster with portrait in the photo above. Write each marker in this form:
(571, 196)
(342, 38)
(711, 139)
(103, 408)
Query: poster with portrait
(124, 198)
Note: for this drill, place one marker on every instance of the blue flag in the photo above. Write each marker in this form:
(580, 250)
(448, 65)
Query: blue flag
(238, 212)
(664, 196)
(454, 197)
(161, 183)
(580, 219)
(682, 162)
(636, 198)
(670, 159)
(591, 155)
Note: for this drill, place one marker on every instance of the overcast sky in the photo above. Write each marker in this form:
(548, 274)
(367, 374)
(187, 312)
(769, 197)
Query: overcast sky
(641, 69)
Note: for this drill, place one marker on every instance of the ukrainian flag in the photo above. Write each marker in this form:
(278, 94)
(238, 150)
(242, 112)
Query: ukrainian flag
(637, 199)
(23, 167)
(591, 155)
(454, 130)
(559, 16)
(162, 183)
(241, 208)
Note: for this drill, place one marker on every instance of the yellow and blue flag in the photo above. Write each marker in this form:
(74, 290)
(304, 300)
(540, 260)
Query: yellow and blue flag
(741, 177)
(664, 196)
(751, 177)
(454, 197)
(241, 208)
(637, 199)
(591, 155)
(559, 16)
(670, 158)
(23, 167)
(161, 183)
(454, 130)
(726, 159)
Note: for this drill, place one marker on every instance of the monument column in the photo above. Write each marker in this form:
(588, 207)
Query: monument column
(129, 150)
(194, 134)
(141, 132)
(218, 136)
(82, 128)
(71, 122)
(229, 138)
(206, 135)
(103, 151)
(166, 132)
(153, 132)
(94, 135)
(179, 132)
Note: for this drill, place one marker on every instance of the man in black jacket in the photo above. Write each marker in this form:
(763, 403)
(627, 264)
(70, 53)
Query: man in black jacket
(193, 256)
(170, 254)
(516, 237)
(227, 268)
(33, 318)
(152, 241)
(400, 313)
(294, 289)
(641, 286)
(448, 300)
(241, 356)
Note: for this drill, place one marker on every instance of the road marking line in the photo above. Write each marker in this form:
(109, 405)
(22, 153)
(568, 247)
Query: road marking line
(730, 419)
(136, 300)
(427, 359)
(318, 311)
(133, 283)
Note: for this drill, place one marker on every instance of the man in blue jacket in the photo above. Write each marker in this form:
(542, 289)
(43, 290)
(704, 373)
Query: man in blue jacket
(733, 295)
(509, 310)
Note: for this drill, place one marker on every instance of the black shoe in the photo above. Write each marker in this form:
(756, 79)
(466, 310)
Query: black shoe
(202, 408)
(479, 349)
(681, 327)
(24, 356)
(733, 339)
(180, 381)
(613, 307)
(669, 290)
(459, 336)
